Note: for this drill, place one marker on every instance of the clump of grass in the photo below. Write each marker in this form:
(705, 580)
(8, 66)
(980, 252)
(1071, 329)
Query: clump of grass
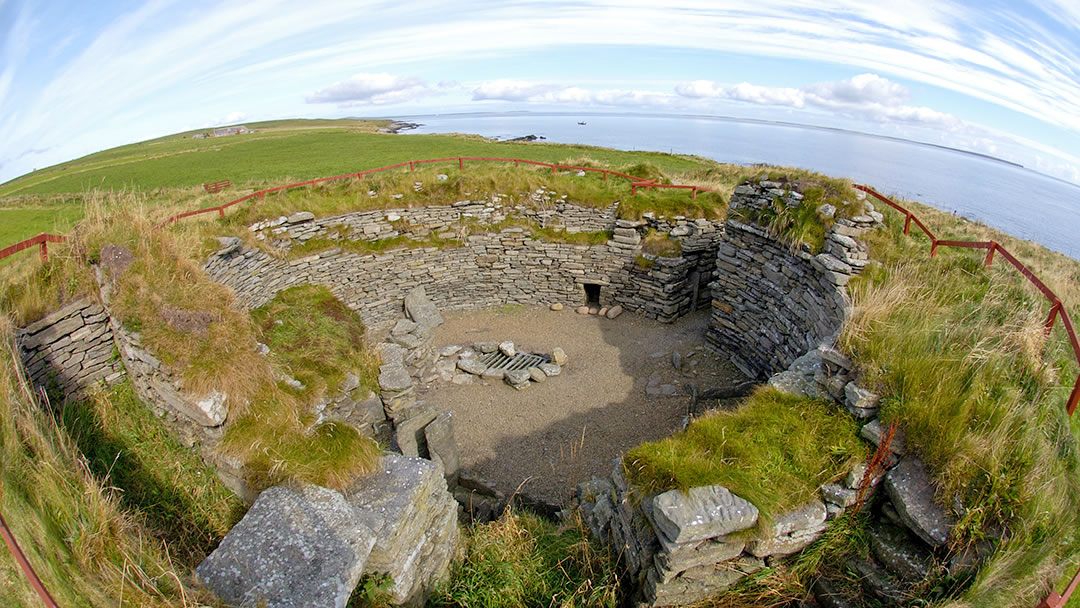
(959, 354)
(87, 549)
(316, 338)
(170, 485)
(279, 438)
(661, 245)
(775, 450)
(803, 224)
(523, 560)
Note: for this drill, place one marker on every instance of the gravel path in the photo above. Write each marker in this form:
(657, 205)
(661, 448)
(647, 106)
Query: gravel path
(555, 434)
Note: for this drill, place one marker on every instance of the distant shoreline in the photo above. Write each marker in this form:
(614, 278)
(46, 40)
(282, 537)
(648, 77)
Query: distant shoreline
(762, 121)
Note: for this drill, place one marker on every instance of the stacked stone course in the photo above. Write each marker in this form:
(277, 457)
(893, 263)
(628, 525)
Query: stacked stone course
(70, 349)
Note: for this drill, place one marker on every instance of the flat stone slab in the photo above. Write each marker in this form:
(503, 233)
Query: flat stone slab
(295, 547)
(700, 513)
(420, 309)
(912, 494)
(394, 378)
(471, 366)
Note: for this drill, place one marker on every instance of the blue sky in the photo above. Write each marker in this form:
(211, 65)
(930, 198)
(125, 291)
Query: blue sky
(992, 76)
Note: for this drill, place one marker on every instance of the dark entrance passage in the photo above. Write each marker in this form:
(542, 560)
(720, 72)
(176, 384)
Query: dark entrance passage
(592, 294)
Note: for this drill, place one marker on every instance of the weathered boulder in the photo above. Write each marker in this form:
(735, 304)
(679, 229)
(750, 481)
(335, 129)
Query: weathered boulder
(912, 494)
(420, 309)
(700, 513)
(792, 531)
(295, 547)
(415, 519)
(439, 435)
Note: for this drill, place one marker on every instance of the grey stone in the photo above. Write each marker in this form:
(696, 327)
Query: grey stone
(300, 216)
(614, 311)
(700, 513)
(494, 374)
(582, 310)
(471, 366)
(295, 548)
(827, 210)
(858, 397)
(415, 519)
(351, 383)
(792, 531)
(391, 354)
(838, 495)
(558, 356)
(439, 434)
(557, 306)
(550, 369)
(403, 326)
(517, 378)
(912, 494)
(420, 309)
(873, 432)
(213, 405)
(394, 378)
(832, 356)
(462, 379)
(486, 347)
(896, 551)
(506, 347)
(537, 375)
(409, 430)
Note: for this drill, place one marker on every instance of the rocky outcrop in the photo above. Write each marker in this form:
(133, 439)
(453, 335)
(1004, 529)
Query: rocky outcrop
(70, 349)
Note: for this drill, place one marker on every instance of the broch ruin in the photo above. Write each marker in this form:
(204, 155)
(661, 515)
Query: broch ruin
(775, 312)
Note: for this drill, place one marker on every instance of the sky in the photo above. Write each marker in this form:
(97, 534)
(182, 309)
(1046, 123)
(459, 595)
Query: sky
(999, 77)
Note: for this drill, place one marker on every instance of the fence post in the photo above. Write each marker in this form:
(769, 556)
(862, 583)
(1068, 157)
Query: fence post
(907, 224)
(605, 176)
(693, 193)
(933, 249)
(515, 163)
(633, 189)
(461, 163)
(1049, 325)
(553, 169)
(44, 251)
(412, 167)
(221, 211)
(990, 254)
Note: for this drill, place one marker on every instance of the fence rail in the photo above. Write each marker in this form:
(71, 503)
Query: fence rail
(1057, 308)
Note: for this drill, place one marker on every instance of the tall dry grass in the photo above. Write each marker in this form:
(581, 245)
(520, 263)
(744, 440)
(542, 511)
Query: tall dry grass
(85, 547)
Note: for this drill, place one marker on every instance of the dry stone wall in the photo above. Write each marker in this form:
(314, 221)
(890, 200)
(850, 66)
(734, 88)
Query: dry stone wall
(71, 349)
(484, 269)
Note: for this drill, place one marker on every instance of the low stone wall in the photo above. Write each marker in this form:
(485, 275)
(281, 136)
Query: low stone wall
(70, 350)
(485, 270)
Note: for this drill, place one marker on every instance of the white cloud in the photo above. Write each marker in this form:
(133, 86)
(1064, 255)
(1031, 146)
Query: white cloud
(511, 90)
(545, 93)
(231, 118)
(374, 89)
(865, 96)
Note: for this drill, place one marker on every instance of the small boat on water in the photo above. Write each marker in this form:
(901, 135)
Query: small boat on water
(581, 123)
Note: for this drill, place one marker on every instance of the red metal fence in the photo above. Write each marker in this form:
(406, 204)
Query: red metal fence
(1057, 309)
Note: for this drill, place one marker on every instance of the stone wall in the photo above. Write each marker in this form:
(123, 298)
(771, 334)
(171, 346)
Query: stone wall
(483, 269)
(70, 350)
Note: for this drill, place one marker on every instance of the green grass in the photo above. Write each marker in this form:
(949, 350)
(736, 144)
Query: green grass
(316, 339)
(300, 153)
(87, 548)
(959, 355)
(182, 500)
(775, 450)
(661, 245)
(523, 560)
(803, 224)
(19, 223)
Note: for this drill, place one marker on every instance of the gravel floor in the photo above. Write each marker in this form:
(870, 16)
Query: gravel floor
(555, 434)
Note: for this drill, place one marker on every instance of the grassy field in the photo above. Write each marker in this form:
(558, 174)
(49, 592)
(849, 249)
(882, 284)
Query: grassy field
(289, 150)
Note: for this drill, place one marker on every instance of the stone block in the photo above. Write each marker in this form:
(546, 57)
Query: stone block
(700, 513)
(409, 430)
(912, 494)
(295, 548)
(439, 435)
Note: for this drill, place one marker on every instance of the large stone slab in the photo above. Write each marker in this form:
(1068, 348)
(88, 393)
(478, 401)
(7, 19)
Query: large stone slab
(295, 548)
(700, 513)
(792, 531)
(439, 434)
(421, 310)
(912, 494)
(415, 519)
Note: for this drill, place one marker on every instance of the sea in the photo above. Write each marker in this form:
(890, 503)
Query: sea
(1011, 198)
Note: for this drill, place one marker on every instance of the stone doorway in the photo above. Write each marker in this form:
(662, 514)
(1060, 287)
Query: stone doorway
(592, 294)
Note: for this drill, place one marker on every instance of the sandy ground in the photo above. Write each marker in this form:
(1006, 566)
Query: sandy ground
(555, 434)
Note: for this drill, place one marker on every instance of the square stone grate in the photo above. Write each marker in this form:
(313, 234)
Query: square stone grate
(499, 360)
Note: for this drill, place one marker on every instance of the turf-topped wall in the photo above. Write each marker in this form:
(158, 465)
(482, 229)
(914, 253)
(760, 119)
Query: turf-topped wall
(466, 259)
